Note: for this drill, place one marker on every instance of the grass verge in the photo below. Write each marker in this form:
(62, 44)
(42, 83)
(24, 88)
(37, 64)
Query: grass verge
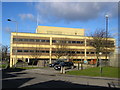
(95, 71)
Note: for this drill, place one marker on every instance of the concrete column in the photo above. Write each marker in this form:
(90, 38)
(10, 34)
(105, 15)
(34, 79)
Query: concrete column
(28, 60)
(50, 52)
(11, 62)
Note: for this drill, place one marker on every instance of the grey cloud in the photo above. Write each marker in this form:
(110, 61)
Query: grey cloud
(26, 16)
(7, 29)
(31, 17)
(75, 11)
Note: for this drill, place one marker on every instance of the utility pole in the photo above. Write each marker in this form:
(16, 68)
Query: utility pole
(16, 43)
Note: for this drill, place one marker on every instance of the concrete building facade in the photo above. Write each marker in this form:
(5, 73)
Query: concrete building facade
(41, 45)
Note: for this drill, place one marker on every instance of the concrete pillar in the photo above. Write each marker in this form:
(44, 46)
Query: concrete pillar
(11, 62)
(28, 60)
(62, 71)
(50, 52)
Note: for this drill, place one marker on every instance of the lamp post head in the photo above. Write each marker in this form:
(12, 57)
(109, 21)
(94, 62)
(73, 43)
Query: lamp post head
(8, 20)
(100, 53)
(106, 16)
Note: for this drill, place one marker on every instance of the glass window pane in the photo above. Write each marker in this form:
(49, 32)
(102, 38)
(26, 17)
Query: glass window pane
(26, 40)
(25, 50)
(31, 40)
(78, 41)
(54, 41)
(31, 50)
(19, 50)
(42, 40)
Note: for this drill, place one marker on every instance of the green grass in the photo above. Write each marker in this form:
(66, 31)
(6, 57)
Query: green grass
(3, 65)
(30, 67)
(95, 71)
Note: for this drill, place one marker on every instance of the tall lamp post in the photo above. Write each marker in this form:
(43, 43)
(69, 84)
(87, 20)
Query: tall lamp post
(16, 37)
(100, 53)
(106, 16)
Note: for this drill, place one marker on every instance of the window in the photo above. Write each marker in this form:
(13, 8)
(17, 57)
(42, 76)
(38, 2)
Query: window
(26, 40)
(82, 42)
(38, 40)
(78, 52)
(92, 52)
(53, 51)
(31, 50)
(20, 39)
(69, 41)
(78, 41)
(87, 52)
(19, 50)
(73, 51)
(82, 52)
(25, 50)
(47, 40)
(73, 41)
(53, 41)
(14, 39)
(37, 51)
(42, 40)
(63, 41)
(31, 40)
(47, 51)
(43, 51)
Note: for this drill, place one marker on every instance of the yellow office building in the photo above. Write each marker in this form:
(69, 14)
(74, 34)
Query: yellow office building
(25, 45)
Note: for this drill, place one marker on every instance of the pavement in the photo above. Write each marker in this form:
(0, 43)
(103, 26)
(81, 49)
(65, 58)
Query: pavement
(50, 78)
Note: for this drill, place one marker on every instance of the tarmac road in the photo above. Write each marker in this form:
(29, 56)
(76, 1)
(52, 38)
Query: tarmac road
(49, 78)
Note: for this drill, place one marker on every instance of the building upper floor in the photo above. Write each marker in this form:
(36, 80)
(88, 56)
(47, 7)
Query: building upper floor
(60, 30)
(52, 39)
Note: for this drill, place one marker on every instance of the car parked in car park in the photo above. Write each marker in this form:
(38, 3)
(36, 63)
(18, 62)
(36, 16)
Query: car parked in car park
(64, 64)
(55, 63)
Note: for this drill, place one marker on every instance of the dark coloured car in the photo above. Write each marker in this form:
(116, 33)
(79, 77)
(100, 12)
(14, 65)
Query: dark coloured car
(55, 63)
(64, 64)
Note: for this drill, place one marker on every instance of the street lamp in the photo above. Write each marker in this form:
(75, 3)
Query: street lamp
(106, 16)
(100, 53)
(16, 37)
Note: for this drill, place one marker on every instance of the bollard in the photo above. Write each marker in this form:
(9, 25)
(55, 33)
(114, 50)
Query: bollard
(78, 66)
(61, 71)
(81, 66)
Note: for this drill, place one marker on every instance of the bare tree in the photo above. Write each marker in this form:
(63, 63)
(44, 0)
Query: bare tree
(71, 53)
(4, 52)
(35, 54)
(99, 42)
(61, 49)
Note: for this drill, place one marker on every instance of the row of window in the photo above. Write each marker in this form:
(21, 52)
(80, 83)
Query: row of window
(41, 40)
(79, 42)
(30, 40)
(77, 52)
(33, 51)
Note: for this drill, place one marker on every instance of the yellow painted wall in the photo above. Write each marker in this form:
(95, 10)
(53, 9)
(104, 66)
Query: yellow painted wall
(60, 30)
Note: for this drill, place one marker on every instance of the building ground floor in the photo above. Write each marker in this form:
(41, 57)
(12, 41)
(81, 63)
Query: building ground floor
(45, 61)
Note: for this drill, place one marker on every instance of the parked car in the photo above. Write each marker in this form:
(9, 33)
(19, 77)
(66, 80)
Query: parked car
(64, 64)
(55, 63)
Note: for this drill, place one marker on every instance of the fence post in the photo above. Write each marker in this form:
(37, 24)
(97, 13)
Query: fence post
(81, 66)
(78, 65)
